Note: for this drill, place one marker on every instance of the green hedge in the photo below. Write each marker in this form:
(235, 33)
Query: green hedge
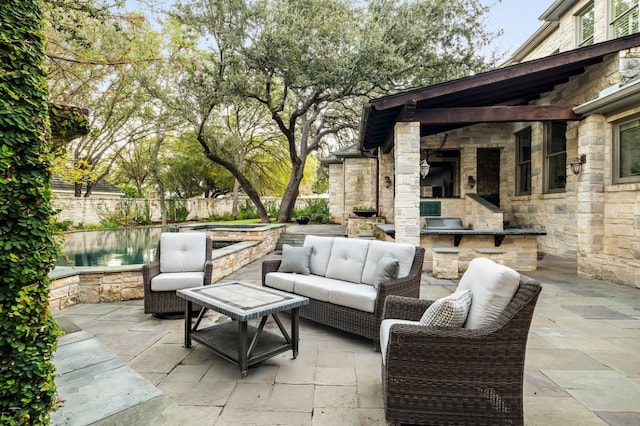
(27, 247)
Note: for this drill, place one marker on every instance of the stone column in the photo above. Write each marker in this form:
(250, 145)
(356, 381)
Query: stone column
(407, 182)
(590, 191)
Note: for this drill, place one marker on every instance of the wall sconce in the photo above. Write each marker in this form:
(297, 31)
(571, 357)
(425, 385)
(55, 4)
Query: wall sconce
(387, 182)
(577, 162)
(424, 168)
(471, 182)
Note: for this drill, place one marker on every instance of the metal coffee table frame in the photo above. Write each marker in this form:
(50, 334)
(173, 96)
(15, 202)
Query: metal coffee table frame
(237, 341)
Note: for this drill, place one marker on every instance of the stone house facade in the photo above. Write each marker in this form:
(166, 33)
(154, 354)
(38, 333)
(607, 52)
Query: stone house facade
(553, 144)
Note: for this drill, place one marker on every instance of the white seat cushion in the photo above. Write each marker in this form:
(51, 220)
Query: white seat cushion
(183, 251)
(281, 280)
(315, 287)
(492, 287)
(357, 296)
(171, 281)
(403, 252)
(320, 252)
(347, 259)
(385, 326)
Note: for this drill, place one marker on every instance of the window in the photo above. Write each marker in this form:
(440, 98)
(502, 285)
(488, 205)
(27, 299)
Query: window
(586, 27)
(555, 148)
(624, 17)
(627, 151)
(523, 162)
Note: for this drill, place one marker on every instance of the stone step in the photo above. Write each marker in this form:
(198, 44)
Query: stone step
(291, 239)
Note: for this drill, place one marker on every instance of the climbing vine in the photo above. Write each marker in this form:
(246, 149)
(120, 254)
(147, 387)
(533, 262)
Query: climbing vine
(27, 248)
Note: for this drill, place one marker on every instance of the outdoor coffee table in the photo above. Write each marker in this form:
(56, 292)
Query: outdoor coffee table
(237, 341)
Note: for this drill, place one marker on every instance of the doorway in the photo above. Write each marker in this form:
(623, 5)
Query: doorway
(488, 178)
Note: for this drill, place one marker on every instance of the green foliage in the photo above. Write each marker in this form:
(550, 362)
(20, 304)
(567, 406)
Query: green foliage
(272, 208)
(215, 217)
(62, 226)
(177, 210)
(130, 191)
(126, 213)
(247, 210)
(28, 250)
(316, 209)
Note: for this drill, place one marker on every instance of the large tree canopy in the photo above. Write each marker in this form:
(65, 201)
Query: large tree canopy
(312, 63)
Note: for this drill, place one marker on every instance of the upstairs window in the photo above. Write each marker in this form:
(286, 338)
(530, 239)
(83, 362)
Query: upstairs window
(555, 149)
(624, 17)
(523, 162)
(586, 27)
(627, 151)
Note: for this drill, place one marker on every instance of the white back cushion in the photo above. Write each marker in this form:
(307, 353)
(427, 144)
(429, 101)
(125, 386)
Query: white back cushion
(347, 259)
(182, 252)
(403, 252)
(492, 287)
(320, 252)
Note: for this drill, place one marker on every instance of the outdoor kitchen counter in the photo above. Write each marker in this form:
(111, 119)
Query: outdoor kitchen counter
(458, 234)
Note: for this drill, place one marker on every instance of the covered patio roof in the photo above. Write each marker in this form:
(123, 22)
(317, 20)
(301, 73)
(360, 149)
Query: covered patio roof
(500, 95)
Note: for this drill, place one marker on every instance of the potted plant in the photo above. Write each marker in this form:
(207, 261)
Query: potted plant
(364, 211)
(302, 220)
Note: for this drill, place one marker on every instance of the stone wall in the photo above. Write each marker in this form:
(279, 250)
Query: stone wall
(88, 211)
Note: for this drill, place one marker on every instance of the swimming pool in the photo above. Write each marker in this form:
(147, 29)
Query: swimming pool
(115, 247)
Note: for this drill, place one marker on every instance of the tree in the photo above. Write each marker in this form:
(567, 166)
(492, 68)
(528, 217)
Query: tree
(312, 63)
(28, 251)
(133, 165)
(96, 64)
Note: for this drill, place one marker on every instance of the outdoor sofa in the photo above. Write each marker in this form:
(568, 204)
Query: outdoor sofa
(346, 279)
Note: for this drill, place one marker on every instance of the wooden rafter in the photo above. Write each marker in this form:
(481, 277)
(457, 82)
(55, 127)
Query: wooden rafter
(495, 114)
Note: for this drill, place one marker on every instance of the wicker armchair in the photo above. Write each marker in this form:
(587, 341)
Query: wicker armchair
(190, 256)
(435, 376)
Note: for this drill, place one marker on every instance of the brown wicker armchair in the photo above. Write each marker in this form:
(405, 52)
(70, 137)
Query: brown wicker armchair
(435, 376)
(160, 297)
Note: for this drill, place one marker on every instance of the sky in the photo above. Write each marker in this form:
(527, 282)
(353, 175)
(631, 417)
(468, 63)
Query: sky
(518, 19)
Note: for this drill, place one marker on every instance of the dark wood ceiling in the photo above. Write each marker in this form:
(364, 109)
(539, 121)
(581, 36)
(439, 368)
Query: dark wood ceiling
(516, 85)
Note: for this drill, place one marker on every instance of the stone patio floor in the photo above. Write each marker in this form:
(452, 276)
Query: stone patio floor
(118, 366)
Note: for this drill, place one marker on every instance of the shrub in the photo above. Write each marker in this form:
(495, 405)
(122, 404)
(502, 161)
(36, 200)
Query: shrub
(28, 333)
(316, 209)
(247, 210)
(177, 210)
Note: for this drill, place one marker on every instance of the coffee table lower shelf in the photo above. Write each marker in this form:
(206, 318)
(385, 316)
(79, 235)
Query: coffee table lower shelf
(226, 340)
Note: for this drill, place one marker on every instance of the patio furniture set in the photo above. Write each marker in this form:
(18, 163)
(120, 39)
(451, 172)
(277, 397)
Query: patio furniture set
(459, 359)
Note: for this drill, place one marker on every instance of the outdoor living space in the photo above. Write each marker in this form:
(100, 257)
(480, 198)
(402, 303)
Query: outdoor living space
(117, 365)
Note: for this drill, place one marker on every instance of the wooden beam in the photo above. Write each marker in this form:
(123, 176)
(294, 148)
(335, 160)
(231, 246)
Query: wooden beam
(496, 114)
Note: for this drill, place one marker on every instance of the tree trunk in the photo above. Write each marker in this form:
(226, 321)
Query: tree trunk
(291, 193)
(156, 177)
(77, 190)
(234, 205)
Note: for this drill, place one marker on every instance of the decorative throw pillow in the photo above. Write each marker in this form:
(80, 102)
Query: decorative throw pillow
(387, 269)
(295, 259)
(450, 311)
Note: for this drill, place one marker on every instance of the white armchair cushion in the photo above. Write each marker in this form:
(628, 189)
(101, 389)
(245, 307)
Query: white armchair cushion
(347, 259)
(450, 311)
(492, 287)
(183, 251)
(385, 327)
(171, 281)
(320, 253)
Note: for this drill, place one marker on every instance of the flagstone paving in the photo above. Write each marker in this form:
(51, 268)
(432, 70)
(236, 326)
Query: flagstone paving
(118, 366)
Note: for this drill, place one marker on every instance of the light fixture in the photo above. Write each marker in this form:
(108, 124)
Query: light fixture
(387, 182)
(424, 168)
(577, 162)
(471, 182)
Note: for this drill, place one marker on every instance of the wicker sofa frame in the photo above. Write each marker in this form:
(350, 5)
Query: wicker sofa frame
(435, 376)
(167, 302)
(354, 321)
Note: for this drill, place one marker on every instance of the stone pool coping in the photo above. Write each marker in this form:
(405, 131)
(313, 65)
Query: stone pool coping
(97, 284)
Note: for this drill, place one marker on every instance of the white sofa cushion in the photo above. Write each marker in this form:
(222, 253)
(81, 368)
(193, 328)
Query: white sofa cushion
(357, 296)
(280, 280)
(347, 259)
(403, 252)
(316, 287)
(171, 281)
(492, 287)
(183, 251)
(295, 259)
(385, 327)
(450, 311)
(320, 252)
